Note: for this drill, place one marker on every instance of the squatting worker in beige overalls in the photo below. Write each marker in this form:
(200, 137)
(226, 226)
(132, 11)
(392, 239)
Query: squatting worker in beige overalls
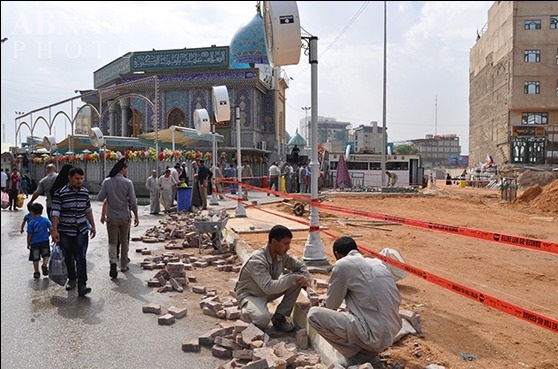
(372, 320)
(262, 279)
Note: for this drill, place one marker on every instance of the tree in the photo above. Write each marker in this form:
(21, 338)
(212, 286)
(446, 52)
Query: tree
(406, 150)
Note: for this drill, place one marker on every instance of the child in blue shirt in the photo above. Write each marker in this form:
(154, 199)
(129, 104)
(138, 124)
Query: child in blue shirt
(39, 229)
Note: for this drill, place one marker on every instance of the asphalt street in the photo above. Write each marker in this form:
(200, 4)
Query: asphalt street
(45, 326)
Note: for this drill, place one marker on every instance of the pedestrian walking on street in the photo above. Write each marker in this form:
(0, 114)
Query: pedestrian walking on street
(166, 184)
(45, 184)
(39, 229)
(202, 177)
(152, 185)
(230, 173)
(274, 174)
(72, 222)
(121, 199)
(13, 188)
(246, 175)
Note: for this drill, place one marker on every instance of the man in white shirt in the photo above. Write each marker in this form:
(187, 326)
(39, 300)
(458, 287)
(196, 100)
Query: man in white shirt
(288, 173)
(274, 174)
(372, 320)
(176, 176)
(4, 179)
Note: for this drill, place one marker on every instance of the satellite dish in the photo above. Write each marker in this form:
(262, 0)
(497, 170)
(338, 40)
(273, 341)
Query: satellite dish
(221, 105)
(50, 143)
(282, 32)
(96, 137)
(201, 121)
(347, 152)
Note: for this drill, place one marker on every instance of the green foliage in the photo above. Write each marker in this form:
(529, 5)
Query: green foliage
(406, 149)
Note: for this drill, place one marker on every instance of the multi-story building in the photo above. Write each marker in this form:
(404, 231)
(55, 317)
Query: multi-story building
(435, 150)
(329, 130)
(513, 95)
(82, 123)
(368, 138)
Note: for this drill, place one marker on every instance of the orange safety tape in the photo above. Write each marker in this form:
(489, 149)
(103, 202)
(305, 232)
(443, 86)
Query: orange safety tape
(510, 240)
(483, 298)
(506, 239)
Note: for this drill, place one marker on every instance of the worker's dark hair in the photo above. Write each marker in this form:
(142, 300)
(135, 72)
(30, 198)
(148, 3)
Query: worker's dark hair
(36, 208)
(343, 245)
(76, 170)
(279, 232)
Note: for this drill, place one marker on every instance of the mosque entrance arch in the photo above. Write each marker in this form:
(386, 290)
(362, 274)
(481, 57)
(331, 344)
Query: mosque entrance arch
(176, 117)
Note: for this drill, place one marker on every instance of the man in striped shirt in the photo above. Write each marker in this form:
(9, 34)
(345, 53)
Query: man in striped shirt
(72, 221)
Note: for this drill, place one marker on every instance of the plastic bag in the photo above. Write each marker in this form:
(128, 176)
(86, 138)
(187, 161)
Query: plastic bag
(20, 200)
(58, 272)
(394, 254)
(5, 200)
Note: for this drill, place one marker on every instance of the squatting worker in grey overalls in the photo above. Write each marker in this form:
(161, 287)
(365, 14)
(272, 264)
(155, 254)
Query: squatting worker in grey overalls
(372, 298)
(262, 279)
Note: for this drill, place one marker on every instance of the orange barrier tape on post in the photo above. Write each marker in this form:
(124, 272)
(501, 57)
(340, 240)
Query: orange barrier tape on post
(510, 240)
(485, 299)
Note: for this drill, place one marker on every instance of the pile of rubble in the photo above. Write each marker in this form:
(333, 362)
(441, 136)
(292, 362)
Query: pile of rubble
(180, 230)
(172, 267)
(243, 344)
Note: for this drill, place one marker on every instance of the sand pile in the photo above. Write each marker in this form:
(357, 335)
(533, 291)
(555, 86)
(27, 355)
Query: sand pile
(544, 199)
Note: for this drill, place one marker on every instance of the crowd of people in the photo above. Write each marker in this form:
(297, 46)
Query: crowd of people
(366, 327)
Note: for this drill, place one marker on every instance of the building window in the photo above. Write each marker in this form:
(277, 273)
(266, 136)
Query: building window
(532, 56)
(527, 150)
(532, 24)
(554, 22)
(532, 87)
(534, 118)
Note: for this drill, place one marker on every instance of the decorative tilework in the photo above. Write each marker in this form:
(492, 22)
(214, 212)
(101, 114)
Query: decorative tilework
(248, 43)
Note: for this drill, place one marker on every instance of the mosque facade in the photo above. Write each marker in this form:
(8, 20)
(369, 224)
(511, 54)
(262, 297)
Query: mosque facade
(148, 91)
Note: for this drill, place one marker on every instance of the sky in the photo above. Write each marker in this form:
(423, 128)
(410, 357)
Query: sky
(53, 48)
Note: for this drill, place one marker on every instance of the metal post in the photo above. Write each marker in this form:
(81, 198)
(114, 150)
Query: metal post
(384, 133)
(240, 211)
(213, 200)
(314, 249)
(156, 112)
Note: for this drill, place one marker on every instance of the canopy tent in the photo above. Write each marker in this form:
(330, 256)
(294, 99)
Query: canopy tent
(342, 179)
(80, 142)
(182, 139)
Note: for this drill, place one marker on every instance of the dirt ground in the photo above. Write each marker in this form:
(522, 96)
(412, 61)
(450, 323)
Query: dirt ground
(457, 332)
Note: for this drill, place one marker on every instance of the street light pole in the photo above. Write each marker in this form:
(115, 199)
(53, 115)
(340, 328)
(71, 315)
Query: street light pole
(314, 253)
(213, 200)
(19, 114)
(240, 211)
(306, 108)
(384, 133)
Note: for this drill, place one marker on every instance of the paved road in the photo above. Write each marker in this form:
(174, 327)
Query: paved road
(44, 326)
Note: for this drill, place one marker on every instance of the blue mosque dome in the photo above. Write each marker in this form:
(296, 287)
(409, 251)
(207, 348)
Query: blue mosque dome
(248, 44)
(297, 140)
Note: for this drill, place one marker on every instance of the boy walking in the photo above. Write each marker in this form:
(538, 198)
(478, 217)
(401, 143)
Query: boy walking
(38, 233)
